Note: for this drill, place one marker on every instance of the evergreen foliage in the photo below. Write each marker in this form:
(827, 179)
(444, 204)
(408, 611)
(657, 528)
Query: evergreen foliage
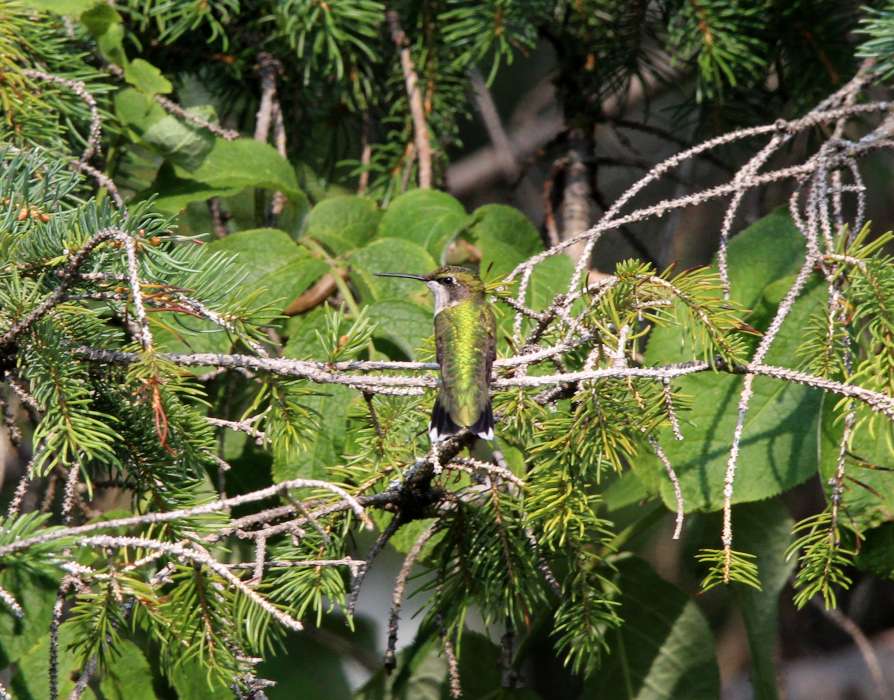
(216, 397)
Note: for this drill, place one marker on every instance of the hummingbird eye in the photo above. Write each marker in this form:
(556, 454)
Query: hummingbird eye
(448, 280)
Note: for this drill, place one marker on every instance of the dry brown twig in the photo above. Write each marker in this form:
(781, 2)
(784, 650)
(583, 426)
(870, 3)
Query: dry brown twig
(414, 94)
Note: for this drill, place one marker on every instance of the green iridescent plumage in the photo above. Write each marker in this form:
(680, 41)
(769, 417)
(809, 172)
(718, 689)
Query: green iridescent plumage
(465, 341)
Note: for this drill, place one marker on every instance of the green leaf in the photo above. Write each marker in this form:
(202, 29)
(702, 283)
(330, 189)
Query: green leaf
(68, 8)
(549, 278)
(174, 332)
(243, 163)
(173, 194)
(752, 267)
(343, 223)
(769, 250)
(136, 110)
(326, 446)
(190, 681)
(384, 255)
(302, 330)
(624, 491)
(428, 218)
(505, 237)
(780, 433)
(32, 679)
(868, 498)
(96, 16)
(129, 677)
(147, 78)
(778, 447)
(296, 680)
(401, 323)
(37, 595)
(764, 528)
(663, 651)
(104, 24)
(274, 267)
(420, 675)
(183, 144)
(877, 552)
(330, 404)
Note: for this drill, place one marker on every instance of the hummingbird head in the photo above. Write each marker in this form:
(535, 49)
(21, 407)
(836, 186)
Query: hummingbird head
(449, 284)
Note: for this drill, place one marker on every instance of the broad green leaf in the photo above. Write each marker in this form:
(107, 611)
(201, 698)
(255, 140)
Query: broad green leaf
(36, 594)
(877, 553)
(343, 223)
(505, 238)
(274, 267)
(183, 144)
(136, 110)
(129, 676)
(420, 676)
(778, 448)
(404, 539)
(480, 672)
(401, 323)
(243, 163)
(868, 498)
(386, 255)
(32, 679)
(147, 78)
(318, 676)
(769, 250)
(624, 491)
(104, 24)
(111, 45)
(330, 404)
(428, 218)
(303, 343)
(764, 529)
(173, 194)
(96, 16)
(663, 651)
(551, 277)
(190, 681)
(68, 8)
(174, 332)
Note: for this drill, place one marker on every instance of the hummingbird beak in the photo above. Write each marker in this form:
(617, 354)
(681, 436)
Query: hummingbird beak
(401, 274)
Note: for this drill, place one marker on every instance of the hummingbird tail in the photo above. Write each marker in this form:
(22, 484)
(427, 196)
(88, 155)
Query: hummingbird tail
(443, 426)
(484, 426)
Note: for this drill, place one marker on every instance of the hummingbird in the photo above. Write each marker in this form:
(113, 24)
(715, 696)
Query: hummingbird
(465, 346)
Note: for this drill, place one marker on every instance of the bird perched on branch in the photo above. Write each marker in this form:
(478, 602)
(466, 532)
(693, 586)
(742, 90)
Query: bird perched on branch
(465, 343)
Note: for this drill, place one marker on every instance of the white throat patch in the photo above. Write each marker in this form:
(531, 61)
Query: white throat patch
(442, 298)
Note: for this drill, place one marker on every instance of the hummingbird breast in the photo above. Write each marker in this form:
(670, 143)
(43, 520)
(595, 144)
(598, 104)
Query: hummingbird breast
(465, 340)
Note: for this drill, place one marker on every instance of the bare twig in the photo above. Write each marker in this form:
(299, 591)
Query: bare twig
(490, 117)
(377, 547)
(414, 93)
(849, 627)
(675, 482)
(397, 595)
(170, 106)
